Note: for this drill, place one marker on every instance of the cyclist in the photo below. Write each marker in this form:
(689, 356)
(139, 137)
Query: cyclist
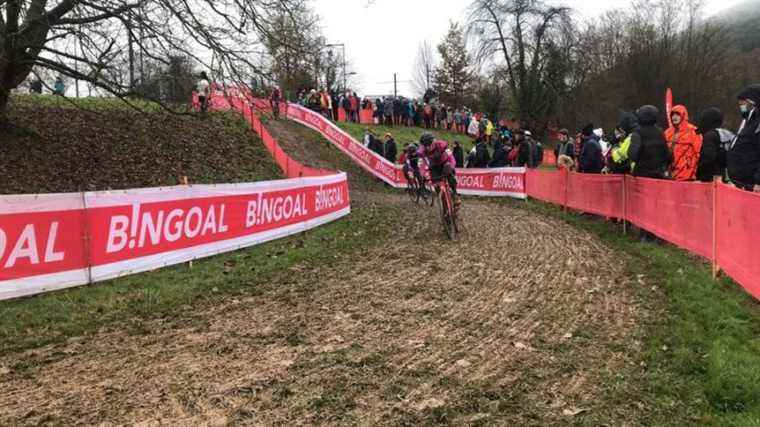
(411, 164)
(441, 162)
(274, 101)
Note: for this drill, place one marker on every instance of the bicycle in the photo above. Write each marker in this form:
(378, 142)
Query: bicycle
(449, 218)
(419, 188)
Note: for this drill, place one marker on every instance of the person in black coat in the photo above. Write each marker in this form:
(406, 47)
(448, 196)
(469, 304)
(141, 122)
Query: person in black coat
(375, 145)
(458, 154)
(390, 152)
(649, 150)
(482, 156)
(590, 159)
(709, 122)
(500, 157)
(743, 159)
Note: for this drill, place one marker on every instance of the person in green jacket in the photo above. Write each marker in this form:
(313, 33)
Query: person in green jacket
(620, 162)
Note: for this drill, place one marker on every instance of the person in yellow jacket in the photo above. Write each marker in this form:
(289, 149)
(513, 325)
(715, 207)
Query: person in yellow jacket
(619, 162)
(489, 129)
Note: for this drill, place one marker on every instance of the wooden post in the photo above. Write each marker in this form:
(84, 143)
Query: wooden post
(186, 182)
(625, 206)
(715, 265)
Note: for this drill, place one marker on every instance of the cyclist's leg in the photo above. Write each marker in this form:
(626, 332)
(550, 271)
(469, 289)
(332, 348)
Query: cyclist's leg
(450, 173)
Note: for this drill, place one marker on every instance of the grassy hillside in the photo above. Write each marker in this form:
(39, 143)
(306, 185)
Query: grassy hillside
(404, 135)
(55, 147)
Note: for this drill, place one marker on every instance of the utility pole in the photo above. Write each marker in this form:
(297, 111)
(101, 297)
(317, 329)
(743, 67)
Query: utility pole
(395, 87)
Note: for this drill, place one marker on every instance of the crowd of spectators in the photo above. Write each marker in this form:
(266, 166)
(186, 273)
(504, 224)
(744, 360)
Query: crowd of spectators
(684, 151)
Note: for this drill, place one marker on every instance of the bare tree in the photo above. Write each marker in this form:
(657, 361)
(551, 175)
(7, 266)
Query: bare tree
(523, 37)
(88, 40)
(424, 67)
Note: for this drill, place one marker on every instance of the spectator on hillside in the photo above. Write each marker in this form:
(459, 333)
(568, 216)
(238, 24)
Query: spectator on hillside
(744, 155)
(389, 150)
(325, 101)
(619, 161)
(524, 151)
(458, 154)
(488, 129)
(378, 113)
(59, 88)
(427, 115)
(367, 137)
(202, 88)
(388, 111)
(482, 156)
(649, 152)
(449, 118)
(684, 143)
(458, 121)
(35, 86)
(275, 98)
(345, 103)
(354, 114)
(474, 127)
(500, 156)
(314, 101)
(537, 151)
(710, 121)
(376, 145)
(590, 159)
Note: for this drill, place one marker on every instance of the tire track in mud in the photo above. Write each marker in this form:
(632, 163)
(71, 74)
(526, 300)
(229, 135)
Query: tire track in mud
(519, 321)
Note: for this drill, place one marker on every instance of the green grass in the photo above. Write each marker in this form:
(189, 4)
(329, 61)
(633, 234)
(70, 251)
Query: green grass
(404, 135)
(702, 353)
(179, 291)
(93, 103)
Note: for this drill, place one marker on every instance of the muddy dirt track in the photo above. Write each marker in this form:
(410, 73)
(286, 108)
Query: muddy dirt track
(524, 320)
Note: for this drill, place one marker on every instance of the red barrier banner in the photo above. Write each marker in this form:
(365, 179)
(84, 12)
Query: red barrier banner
(679, 212)
(738, 228)
(508, 182)
(598, 194)
(55, 241)
(548, 186)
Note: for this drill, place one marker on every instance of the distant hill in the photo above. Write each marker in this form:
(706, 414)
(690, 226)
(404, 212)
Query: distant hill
(743, 21)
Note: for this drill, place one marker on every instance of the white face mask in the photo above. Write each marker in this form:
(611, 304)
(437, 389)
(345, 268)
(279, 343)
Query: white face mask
(744, 108)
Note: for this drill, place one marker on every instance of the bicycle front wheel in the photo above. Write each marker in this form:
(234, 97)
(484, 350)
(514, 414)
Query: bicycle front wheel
(447, 214)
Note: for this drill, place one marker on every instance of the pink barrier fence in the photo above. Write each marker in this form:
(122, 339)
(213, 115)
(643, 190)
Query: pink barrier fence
(713, 220)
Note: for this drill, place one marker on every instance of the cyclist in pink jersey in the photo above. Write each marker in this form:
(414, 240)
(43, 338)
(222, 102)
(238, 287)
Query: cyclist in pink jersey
(441, 162)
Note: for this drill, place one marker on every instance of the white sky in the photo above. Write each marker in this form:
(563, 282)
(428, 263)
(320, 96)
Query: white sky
(383, 37)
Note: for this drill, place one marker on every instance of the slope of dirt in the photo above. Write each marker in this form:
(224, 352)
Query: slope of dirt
(515, 323)
(66, 149)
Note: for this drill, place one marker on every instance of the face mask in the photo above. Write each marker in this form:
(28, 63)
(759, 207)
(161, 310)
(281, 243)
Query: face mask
(744, 108)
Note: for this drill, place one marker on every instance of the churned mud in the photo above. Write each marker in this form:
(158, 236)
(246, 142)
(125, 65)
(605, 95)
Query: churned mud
(523, 320)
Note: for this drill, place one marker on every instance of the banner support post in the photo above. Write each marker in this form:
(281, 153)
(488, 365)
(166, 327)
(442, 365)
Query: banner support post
(625, 206)
(715, 266)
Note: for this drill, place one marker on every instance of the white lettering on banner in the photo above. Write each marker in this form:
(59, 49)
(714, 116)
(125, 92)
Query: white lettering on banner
(335, 134)
(360, 152)
(159, 226)
(385, 169)
(26, 246)
(267, 210)
(329, 198)
(508, 182)
(315, 120)
(470, 181)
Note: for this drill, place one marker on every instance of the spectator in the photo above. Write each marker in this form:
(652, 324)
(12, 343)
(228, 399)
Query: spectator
(649, 151)
(565, 147)
(458, 154)
(35, 86)
(388, 111)
(59, 88)
(743, 159)
(449, 118)
(367, 137)
(620, 164)
(590, 159)
(482, 156)
(375, 145)
(684, 143)
(314, 101)
(427, 115)
(202, 87)
(389, 150)
(345, 103)
(274, 101)
(378, 113)
(500, 157)
(537, 150)
(709, 121)
(488, 128)
(354, 113)
(325, 101)
(458, 121)
(474, 128)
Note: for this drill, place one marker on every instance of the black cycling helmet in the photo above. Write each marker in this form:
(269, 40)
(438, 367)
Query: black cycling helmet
(411, 148)
(426, 139)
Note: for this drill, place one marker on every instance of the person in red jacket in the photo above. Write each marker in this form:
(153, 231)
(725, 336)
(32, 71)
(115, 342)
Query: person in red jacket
(685, 144)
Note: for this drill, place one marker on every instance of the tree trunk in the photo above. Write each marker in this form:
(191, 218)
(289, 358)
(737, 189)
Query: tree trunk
(4, 97)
